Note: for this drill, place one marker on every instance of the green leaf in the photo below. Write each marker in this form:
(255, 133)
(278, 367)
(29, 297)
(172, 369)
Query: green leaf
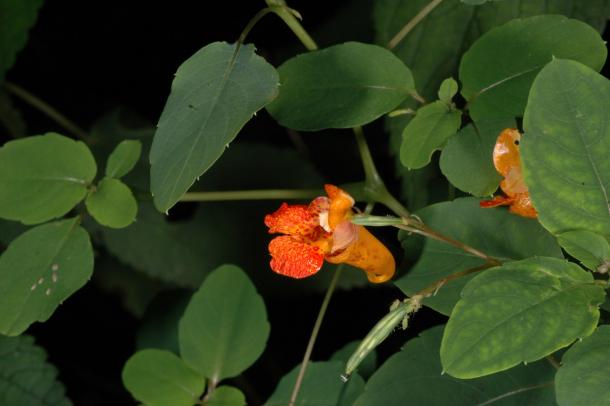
(226, 396)
(321, 386)
(564, 150)
(158, 377)
(448, 89)
(519, 312)
(496, 232)
(584, 376)
(10, 117)
(124, 157)
(26, 378)
(433, 125)
(43, 177)
(112, 204)
(214, 94)
(589, 248)
(414, 376)
(339, 87)
(16, 19)
(39, 270)
(467, 159)
(498, 70)
(224, 328)
(368, 365)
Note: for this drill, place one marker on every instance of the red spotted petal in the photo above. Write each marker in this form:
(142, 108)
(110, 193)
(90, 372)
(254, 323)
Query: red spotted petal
(292, 220)
(294, 258)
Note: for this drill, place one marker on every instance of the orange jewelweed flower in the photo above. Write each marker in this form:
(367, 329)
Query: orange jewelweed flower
(507, 161)
(322, 231)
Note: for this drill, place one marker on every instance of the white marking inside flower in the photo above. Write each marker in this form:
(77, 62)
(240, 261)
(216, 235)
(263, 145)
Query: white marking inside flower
(345, 234)
(324, 221)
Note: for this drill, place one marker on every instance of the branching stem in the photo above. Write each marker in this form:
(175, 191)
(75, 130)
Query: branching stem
(412, 23)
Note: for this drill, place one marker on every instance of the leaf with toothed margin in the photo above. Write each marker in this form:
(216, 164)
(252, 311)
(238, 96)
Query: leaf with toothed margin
(214, 94)
(39, 270)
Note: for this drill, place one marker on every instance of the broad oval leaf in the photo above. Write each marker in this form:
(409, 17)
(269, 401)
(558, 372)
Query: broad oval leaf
(519, 312)
(499, 68)
(39, 270)
(112, 204)
(429, 130)
(226, 396)
(447, 90)
(496, 232)
(467, 159)
(160, 378)
(341, 86)
(214, 94)
(321, 386)
(414, 376)
(224, 328)
(584, 376)
(26, 378)
(43, 177)
(591, 249)
(124, 157)
(565, 148)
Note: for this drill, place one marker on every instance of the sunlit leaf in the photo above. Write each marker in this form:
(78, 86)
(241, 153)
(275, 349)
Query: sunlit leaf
(414, 376)
(589, 248)
(26, 378)
(433, 125)
(43, 177)
(565, 148)
(124, 157)
(39, 270)
(340, 87)
(496, 232)
(321, 386)
(112, 204)
(519, 312)
(584, 376)
(214, 94)
(160, 378)
(224, 328)
(498, 70)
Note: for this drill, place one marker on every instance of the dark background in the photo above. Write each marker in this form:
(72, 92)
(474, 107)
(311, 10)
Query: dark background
(88, 57)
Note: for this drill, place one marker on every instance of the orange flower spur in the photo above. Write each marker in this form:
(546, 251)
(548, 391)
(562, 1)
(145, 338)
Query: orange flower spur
(322, 231)
(507, 161)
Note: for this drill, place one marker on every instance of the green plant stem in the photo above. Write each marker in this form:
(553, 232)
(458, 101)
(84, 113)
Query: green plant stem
(314, 335)
(282, 11)
(264, 194)
(46, 109)
(253, 21)
(431, 289)
(412, 23)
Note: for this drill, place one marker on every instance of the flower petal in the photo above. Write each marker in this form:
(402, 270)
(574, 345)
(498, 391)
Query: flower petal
(340, 205)
(497, 201)
(506, 151)
(292, 220)
(294, 258)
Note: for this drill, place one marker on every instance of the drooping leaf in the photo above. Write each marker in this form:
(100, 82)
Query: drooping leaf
(564, 151)
(368, 365)
(414, 376)
(214, 94)
(224, 328)
(43, 177)
(16, 19)
(467, 159)
(340, 87)
(519, 312)
(321, 386)
(433, 125)
(518, 50)
(39, 270)
(584, 376)
(226, 396)
(589, 248)
(26, 378)
(124, 157)
(160, 378)
(448, 89)
(112, 204)
(496, 232)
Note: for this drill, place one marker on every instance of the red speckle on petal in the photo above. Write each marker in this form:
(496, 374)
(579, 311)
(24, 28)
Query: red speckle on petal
(294, 258)
(293, 220)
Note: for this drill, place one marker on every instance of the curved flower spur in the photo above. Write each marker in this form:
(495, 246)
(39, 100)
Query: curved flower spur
(322, 231)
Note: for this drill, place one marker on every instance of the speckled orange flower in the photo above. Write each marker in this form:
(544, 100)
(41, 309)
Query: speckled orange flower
(322, 231)
(507, 161)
